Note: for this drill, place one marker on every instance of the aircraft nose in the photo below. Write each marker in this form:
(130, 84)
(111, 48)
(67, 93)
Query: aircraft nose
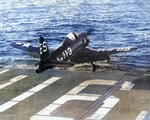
(84, 37)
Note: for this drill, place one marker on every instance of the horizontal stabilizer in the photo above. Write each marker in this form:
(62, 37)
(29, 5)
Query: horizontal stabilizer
(62, 63)
(26, 46)
(53, 63)
(56, 63)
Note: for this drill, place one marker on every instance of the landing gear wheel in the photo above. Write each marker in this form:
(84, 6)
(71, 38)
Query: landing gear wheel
(108, 59)
(93, 67)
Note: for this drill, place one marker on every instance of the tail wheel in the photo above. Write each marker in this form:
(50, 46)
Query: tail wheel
(38, 71)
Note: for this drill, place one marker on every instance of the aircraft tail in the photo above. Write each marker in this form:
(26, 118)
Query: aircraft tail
(44, 56)
(44, 50)
(46, 62)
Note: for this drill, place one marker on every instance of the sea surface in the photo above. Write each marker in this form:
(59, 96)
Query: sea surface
(113, 23)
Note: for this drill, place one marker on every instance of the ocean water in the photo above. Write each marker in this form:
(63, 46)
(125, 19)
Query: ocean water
(113, 23)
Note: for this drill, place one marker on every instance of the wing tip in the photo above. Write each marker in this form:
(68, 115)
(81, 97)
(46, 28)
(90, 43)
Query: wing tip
(133, 48)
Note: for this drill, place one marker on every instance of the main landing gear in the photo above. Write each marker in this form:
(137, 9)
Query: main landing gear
(93, 66)
(108, 59)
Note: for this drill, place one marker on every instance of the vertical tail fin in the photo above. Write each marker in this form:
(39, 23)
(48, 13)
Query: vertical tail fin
(44, 51)
(44, 55)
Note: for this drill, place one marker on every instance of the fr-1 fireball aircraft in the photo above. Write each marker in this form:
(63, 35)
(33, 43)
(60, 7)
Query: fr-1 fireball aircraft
(74, 49)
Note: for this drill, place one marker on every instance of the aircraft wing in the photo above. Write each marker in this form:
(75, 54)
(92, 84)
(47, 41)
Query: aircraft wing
(32, 49)
(90, 55)
(81, 56)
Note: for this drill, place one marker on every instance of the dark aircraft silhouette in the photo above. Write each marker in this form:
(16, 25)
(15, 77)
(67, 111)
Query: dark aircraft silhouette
(74, 49)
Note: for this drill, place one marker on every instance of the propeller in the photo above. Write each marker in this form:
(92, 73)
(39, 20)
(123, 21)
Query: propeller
(89, 31)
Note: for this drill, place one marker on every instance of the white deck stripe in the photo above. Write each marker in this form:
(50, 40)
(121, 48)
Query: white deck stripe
(50, 108)
(76, 90)
(7, 105)
(38, 87)
(109, 103)
(13, 80)
(22, 96)
(99, 114)
(27, 94)
(4, 71)
(36, 117)
(5, 85)
(141, 115)
(98, 82)
(45, 114)
(66, 98)
(127, 86)
(84, 84)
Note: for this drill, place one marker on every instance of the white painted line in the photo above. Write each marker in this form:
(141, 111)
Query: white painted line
(38, 87)
(99, 114)
(7, 105)
(18, 78)
(36, 117)
(109, 103)
(76, 90)
(27, 94)
(44, 84)
(4, 71)
(90, 95)
(50, 108)
(127, 86)
(66, 98)
(47, 110)
(13, 80)
(22, 96)
(51, 80)
(45, 114)
(5, 85)
(98, 82)
(142, 115)
(84, 84)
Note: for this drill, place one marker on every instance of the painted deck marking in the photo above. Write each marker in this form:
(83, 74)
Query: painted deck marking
(7, 105)
(73, 95)
(66, 98)
(142, 115)
(99, 114)
(27, 94)
(38, 87)
(99, 102)
(22, 96)
(109, 103)
(127, 86)
(4, 71)
(13, 80)
(99, 82)
(50, 108)
(84, 84)
(49, 118)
